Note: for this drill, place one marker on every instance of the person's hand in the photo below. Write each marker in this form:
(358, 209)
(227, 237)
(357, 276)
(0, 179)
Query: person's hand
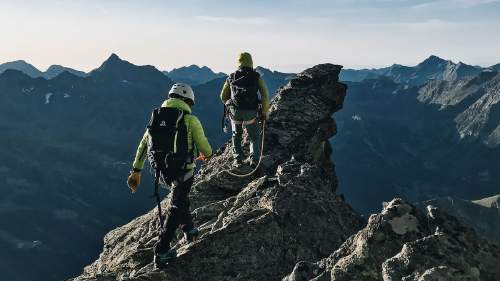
(133, 181)
(203, 158)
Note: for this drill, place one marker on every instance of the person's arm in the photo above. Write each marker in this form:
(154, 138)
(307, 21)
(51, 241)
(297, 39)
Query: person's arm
(264, 95)
(134, 179)
(225, 94)
(141, 154)
(199, 138)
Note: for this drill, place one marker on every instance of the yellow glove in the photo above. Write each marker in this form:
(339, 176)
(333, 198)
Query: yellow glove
(133, 181)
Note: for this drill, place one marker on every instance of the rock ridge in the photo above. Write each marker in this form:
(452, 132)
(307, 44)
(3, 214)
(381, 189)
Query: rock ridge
(255, 228)
(403, 243)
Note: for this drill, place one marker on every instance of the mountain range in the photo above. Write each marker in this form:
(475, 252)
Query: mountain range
(419, 142)
(33, 72)
(432, 68)
(67, 143)
(193, 74)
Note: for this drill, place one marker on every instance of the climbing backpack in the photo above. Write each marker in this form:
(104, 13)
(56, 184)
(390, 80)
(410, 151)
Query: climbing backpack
(168, 145)
(244, 84)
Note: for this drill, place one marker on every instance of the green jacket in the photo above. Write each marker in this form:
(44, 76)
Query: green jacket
(196, 136)
(225, 94)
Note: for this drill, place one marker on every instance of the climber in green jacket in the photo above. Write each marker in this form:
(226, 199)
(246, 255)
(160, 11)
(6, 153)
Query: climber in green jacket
(196, 136)
(181, 98)
(240, 95)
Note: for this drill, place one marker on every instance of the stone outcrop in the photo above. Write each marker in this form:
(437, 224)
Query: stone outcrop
(403, 243)
(254, 228)
(483, 215)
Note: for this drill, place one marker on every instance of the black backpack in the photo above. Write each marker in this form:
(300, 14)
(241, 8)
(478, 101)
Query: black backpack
(168, 146)
(244, 85)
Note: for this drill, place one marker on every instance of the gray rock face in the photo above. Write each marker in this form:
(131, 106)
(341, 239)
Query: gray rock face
(492, 202)
(255, 228)
(403, 243)
(483, 215)
(474, 99)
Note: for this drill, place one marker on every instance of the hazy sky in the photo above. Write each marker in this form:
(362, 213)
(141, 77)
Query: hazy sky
(286, 35)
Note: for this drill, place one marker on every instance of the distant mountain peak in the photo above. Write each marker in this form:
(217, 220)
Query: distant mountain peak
(114, 57)
(22, 66)
(56, 70)
(495, 67)
(433, 60)
(19, 61)
(113, 62)
(192, 67)
(198, 67)
(193, 74)
(55, 67)
(119, 70)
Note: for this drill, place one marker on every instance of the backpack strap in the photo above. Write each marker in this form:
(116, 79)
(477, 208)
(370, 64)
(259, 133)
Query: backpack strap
(154, 117)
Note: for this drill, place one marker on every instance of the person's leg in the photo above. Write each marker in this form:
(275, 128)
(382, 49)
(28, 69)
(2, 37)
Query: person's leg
(237, 137)
(253, 131)
(185, 217)
(172, 220)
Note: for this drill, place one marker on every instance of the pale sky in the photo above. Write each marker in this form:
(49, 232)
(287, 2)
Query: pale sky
(286, 35)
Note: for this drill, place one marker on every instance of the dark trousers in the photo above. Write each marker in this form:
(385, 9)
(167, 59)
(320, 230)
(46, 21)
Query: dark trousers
(178, 214)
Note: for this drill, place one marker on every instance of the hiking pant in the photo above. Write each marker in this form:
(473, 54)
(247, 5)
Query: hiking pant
(178, 214)
(253, 131)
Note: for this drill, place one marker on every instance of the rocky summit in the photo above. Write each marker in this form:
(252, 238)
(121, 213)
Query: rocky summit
(284, 222)
(403, 243)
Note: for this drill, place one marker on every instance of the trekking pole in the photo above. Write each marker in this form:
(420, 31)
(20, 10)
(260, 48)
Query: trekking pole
(157, 195)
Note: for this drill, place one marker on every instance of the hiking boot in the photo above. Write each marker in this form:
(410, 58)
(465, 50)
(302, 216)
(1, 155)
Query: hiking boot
(192, 235)
(237, 163)
(161, 260)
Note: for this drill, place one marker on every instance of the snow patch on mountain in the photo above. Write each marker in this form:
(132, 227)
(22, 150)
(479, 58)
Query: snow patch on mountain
(47, 97)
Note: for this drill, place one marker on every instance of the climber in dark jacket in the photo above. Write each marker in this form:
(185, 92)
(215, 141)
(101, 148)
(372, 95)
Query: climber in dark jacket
(240, 95)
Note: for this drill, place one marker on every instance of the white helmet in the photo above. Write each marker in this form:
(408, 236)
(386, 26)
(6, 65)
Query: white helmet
(182, 90)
